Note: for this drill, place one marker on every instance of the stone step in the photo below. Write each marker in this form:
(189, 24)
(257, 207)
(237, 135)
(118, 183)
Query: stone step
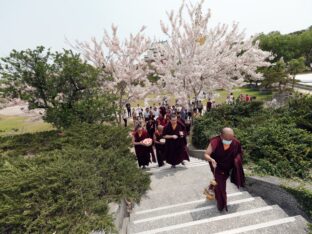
(189, 205)
(175, 204)
(154, 168)
(236, 218)
(288, 225)
(192, 160)
(199, 213)
(181, 178)
(171, 194)
(185, 183)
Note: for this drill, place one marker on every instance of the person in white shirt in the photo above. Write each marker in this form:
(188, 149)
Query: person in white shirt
(139, 111)
(156, 113)
(146, 114)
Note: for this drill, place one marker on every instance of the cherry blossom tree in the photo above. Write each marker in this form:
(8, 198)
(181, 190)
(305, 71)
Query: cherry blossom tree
(124, 66)
(197, 58)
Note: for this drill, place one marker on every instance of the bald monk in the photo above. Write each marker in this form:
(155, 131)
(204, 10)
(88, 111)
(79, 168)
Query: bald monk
(224, 154)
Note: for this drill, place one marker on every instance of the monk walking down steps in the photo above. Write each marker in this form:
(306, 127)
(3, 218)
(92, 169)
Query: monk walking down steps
(225, 157)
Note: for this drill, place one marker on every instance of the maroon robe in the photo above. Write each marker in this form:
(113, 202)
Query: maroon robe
(161, 121)
(228, 162)
(185, 154)
(160, 149)
(150, 127)
(175, 149)
(142, 152)
(162, 110)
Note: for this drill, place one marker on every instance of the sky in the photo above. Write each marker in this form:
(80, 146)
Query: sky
(29, 23)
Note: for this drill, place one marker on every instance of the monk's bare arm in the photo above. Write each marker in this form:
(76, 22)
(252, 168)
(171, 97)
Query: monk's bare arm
(155, 140)
(169, 137)
(135, 143)
(208, 152)
(208, 157)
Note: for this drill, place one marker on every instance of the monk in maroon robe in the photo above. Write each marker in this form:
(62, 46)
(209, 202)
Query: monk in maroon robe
(162, 110)
(224, 154)
(175, 146)
(160, 146)
(182, 123)
(142, 151)
(161, 120)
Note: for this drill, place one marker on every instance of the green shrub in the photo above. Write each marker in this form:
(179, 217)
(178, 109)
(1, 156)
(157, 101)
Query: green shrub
(203, 130)
(67, 189)
(82, 135)
(300, 108)
(278, 149)
(224, 116)
(52, 192)
(271, 139)
(28, 144)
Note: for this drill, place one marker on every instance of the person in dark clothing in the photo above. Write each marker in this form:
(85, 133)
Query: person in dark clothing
(225, 154)
(209, 105)
(150, 126)
(159, 145)
(142, 151)
(128, 106)
(175, 147)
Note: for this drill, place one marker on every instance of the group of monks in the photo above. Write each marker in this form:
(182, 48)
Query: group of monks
(224, 153)
(169, 140)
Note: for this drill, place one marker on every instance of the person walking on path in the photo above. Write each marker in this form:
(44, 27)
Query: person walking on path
(128, 106)
(159, 145)
(225, 156)
(175, 147)
(150, 126)
(209, 105)
(142, 151)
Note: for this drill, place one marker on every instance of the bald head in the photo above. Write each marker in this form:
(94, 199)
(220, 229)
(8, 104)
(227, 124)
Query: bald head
(227, 133)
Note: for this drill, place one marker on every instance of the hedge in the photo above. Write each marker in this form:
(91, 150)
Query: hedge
(274, 141)
(65, 185)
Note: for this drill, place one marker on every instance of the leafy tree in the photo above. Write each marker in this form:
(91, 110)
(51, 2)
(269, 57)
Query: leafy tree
(296, 66)
(289, 46)
(276, 74)
(60, 83)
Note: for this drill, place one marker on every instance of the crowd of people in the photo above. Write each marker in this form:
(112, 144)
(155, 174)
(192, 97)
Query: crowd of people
(160, 133)
(167, 127)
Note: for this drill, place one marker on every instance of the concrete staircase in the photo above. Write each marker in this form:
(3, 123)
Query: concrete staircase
(176, 204)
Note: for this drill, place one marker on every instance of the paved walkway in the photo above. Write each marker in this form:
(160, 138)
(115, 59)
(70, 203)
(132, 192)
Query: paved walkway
(176, 204)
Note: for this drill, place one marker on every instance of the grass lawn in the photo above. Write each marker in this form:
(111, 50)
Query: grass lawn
(260, 96)
(222, 96)
(10, 125)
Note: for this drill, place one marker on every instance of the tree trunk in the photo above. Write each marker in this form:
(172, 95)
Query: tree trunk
(120, 109)
(293, 81)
